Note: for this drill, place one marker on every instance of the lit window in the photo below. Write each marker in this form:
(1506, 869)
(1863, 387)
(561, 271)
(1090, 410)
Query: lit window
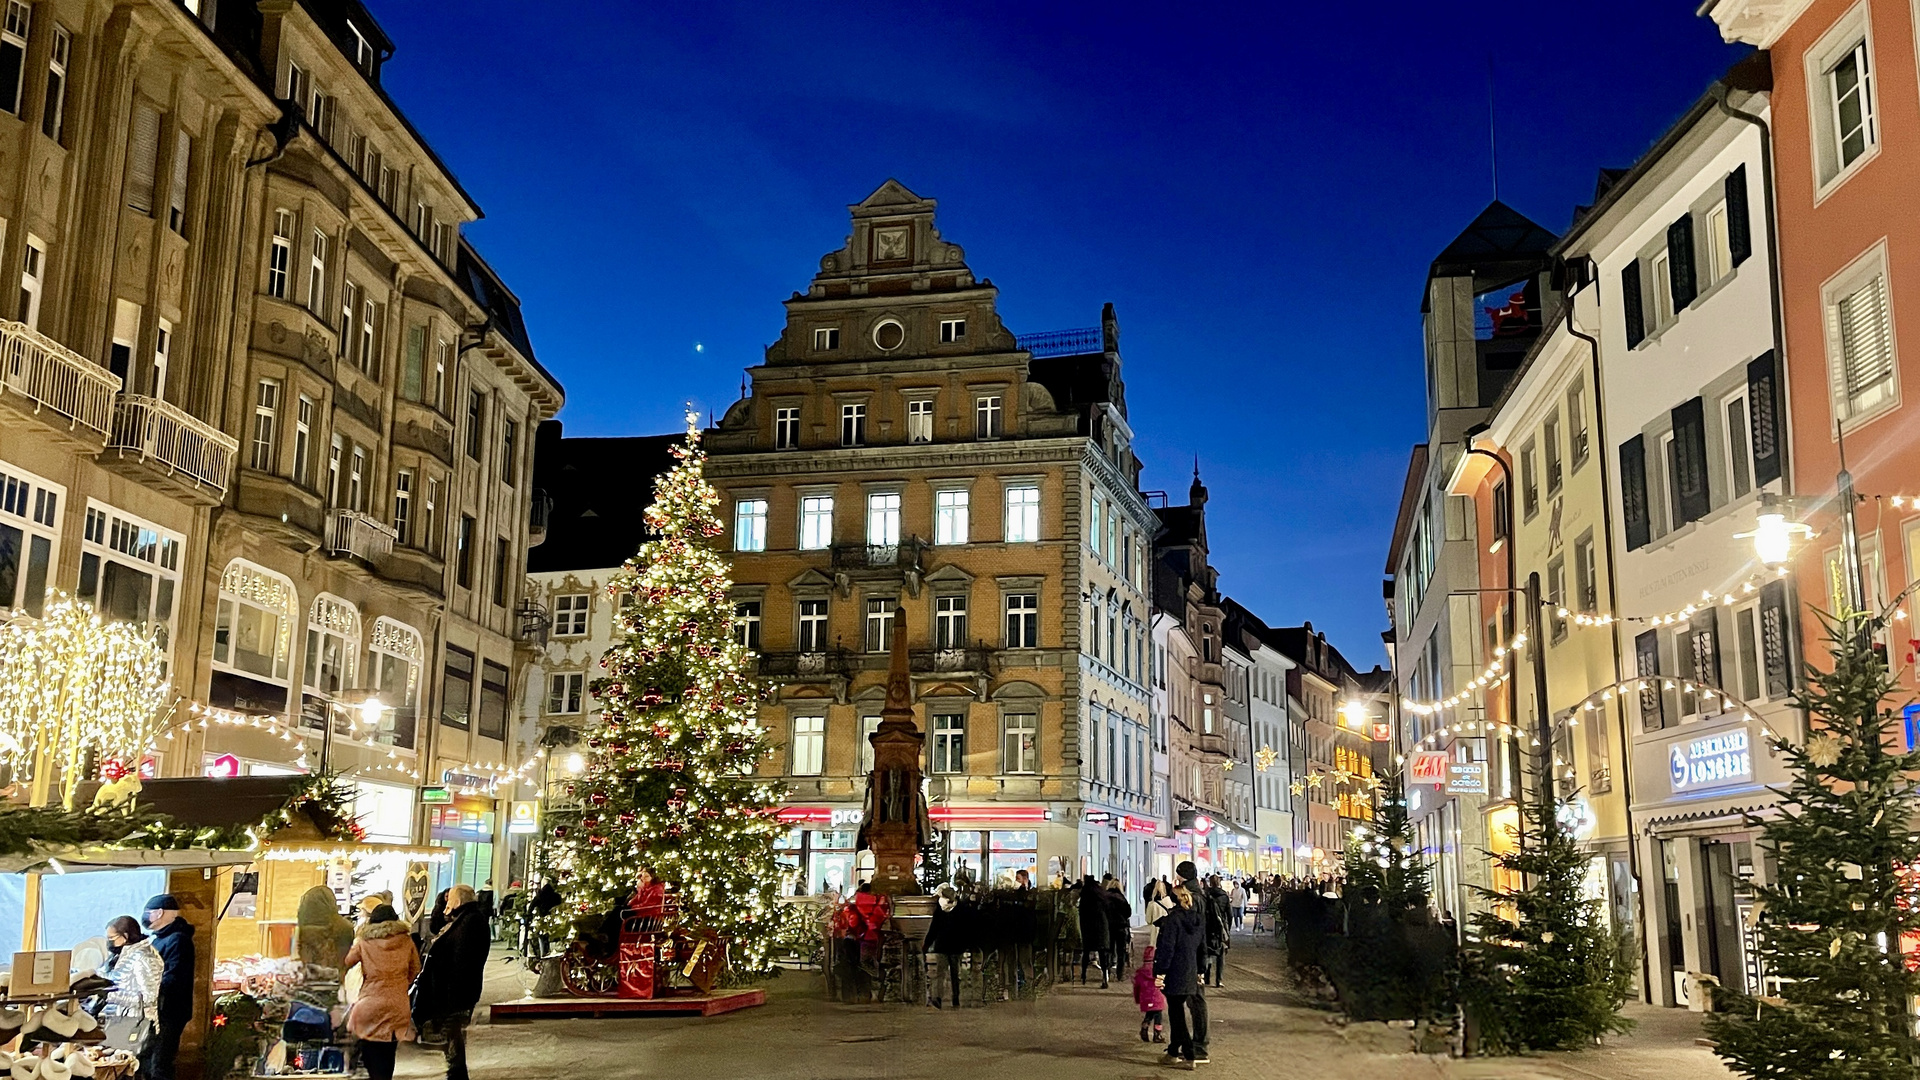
(1023, 514)
(920, 421)
(403, 506)
(950, 516)
(317, 274)
(883, 519)
(816, 522)
(52, 116)
(809, 745)
(746, 624)
(266, 418)
(1022, 751)
(280, 255)
(949, 743)
(750, 525)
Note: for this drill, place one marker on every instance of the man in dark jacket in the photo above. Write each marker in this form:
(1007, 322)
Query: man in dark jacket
(1219, 917)
(1095, 939)
(173, 940)
(448, 986)
(1119, 927)
(1176, 966)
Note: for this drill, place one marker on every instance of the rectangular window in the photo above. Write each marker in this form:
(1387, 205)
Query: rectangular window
(1023, 514)
(1557, 598)
(809, 745)
(879, 635)
(493, 700)
(162, 356)
(413, 362)
(476, 421)
(29, 529)
(1502, 514)
(1661, 267)
(502, 555)
(952, 330)
(564, 691)
(280, 255)
(1096, 518)
(303, 442)
(143, 154)
(1861, 336)
(439, 245)
(403, 506)
(442, 364)
(883, 519)
(430, 519)
(456, 694)
(177, 189)
(1746, 640)
(1550, 438)
(786, 428)
(826, 338)
(853, 425)
(1719, 248)
(1023, 620)
(813, 626)
(949, 622)
(13, 55)
(570, 614)
(317, 275)
(1529, 483)
(746, 624)
(463, 553)
(986, 416)
(816, 522)
(53, 115)
(266, 418)
(920, 421)
(335, 455)
(950, 516)
(1586, 574)
(1022, 749)
(509, 451)
(1579, 439)
(349, 307)
(1739, 444)
(32, 267)
(869, 725)
(949, 743)
(369, 325)
(750, 525)
(1850, 95)
(129, 570)
(356, 471)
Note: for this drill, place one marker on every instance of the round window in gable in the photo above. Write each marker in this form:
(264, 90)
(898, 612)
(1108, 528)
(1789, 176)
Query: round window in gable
(888, 335)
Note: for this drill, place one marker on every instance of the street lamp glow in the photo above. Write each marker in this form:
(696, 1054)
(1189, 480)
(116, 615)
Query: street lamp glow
(1355, 714)
(371, 710)
(575, 763)
(1771, 539)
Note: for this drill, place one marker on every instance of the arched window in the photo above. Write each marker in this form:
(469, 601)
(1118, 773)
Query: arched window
(394, 657)
(253, 628)
(333, 644)
(1096, 719)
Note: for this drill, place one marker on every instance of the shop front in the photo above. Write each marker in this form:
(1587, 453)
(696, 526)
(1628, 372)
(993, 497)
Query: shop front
(1702, 854)
(987, 843)
(464, 824)
(1119, 844)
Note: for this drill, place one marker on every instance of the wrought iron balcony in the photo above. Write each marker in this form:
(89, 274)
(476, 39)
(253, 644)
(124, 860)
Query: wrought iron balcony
(905, 555)
(965, 660)
(539, 509)
(167, 438)
(832, 663)
(350, 532)
(533, 622)
(1078, 342)
(53, 380)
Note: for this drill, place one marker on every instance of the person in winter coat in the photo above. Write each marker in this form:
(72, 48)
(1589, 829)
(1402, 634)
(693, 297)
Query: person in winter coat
(381, 1017)
(1176, 965)
(173, 940)
(1218, 914)
(448, 986)
(947, 940)
(135, 970)
(1095, 940)
(1159, 903)
(1120, 928)
(1152, 1002)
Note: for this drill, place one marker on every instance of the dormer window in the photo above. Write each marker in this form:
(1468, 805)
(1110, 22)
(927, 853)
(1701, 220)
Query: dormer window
(826, 339)
(952, 330)
(362, 50)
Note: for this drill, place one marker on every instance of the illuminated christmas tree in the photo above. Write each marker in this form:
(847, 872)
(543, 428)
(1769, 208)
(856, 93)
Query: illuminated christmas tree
(670, 772)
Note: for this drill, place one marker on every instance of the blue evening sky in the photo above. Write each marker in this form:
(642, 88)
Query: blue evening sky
(1258, 191)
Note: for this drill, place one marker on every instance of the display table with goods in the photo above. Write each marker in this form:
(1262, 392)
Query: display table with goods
(54, 1037)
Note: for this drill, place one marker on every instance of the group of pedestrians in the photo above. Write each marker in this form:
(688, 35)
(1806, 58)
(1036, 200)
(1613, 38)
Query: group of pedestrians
(1106, 926)
(151, 1000)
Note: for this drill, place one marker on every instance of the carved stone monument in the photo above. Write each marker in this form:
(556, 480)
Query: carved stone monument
(895, 825)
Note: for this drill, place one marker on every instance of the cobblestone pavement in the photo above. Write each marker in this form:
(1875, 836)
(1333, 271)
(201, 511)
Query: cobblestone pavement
(1073, 1033)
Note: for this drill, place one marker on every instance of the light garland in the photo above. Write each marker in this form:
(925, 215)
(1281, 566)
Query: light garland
(355, 852)
(1493, 674)
(1708, 599)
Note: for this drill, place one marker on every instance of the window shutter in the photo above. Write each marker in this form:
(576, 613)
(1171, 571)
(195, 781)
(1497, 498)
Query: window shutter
(1633, 491)
(1776, 640)
(1646, 659)
(177, 197)
(143, 157)
(1763, 419)
(1690, 460)
(1866, 348)
(1706, 647)
(410, 373)
(1739, 226)
(1680, 262)
(1630, 307)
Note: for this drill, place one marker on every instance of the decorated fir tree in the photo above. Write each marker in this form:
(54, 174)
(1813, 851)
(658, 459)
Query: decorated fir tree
(1844, 894)
(670, 778)
(1386, 857)
(1547, 972)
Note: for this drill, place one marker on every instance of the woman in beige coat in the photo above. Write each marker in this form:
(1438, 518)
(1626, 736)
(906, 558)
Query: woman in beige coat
(381, 1017)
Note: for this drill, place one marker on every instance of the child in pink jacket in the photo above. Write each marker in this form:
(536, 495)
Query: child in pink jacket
(1152, 1002)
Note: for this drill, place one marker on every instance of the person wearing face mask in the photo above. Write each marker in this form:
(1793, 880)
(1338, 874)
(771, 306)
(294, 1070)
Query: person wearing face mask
(173, 940)
(133, 1005)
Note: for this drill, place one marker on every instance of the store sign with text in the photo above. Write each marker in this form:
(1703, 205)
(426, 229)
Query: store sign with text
(1467, 778)
(1723, 759)
(1428, 767)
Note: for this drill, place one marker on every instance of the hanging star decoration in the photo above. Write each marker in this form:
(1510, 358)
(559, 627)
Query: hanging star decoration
(1824, 750)
(1297, 787)
(1264, 758)
(1314, 778)
(1342, 777)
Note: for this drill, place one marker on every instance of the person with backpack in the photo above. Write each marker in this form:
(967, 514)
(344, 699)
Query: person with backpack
(1218, 915)
(1096, 941)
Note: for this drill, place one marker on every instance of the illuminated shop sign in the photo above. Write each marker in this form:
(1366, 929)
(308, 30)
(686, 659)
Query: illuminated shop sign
(1712, 761)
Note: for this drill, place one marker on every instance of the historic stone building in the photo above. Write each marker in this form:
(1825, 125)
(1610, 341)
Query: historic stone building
(899, 447)
(267, 398)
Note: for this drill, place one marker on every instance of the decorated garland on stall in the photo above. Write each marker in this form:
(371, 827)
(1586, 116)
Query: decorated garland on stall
(29, 830)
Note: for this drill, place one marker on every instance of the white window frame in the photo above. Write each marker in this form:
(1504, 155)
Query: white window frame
(1859, 275)
(369, 314)
(566, 693)
(950, 621)
(303, 440)
(877, 628)
(826, 338)
(853, 423)
(32, 506)
(1659, 267)
(403, 506)
(1022, 521)
(920, 420)
(1719, 261)
(33, 273)
(336, 455)
(948, 743)
(570, 612)
(883, 518)
(317, 274)
(809, 746)
(747, 620)
(750, 524)
(1737, 441)
(810, 616)
(1850, 34)
(162, 355)
(1020, 744)
(989, 420)
(266, 425)
(53, 117)
(953, 331)
(112, 535)
(951, 510)
(245, 584)
(786, 427)
(816, 522)
(280, 254)
(868, 726)
(1021, 609)
(335, 620)
(356, 478)
(13, 35)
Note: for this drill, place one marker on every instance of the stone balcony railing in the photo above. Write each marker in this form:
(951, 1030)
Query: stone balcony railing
(169, 438)
(350, 532)
(55, 379)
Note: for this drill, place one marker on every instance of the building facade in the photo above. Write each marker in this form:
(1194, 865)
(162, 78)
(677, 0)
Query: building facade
(899, 447)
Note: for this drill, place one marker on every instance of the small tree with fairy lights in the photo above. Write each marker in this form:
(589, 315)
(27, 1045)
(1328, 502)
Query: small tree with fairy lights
(1831, 925)
(1386, 857)
(670, 778)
